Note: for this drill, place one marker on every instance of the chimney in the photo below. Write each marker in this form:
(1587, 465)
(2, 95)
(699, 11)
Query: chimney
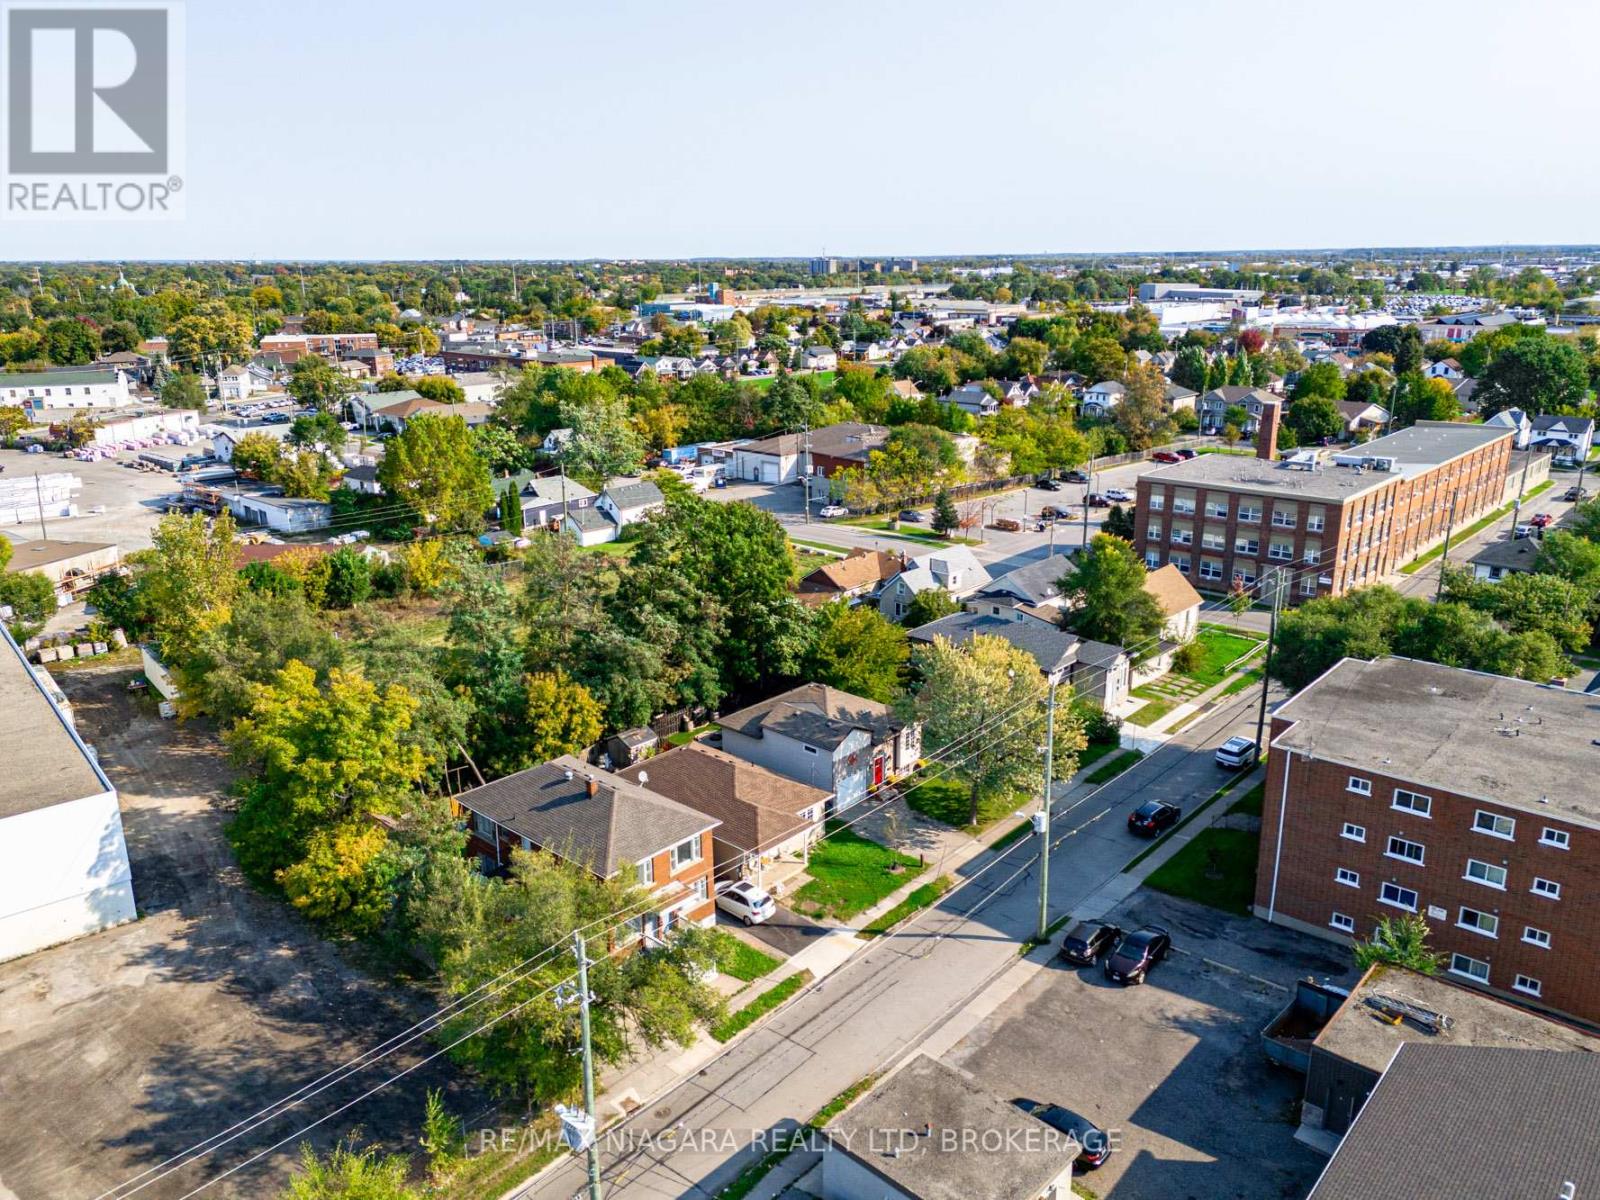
(1267, 429)
(593, 785)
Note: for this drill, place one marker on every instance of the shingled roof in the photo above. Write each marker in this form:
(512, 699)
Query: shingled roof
(756, 807)
(814, 713)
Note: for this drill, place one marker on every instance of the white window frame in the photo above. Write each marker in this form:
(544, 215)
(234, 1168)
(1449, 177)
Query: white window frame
(1249, 516)
(1548, 888)
(695, 854)
(1183, 508)
(1495, 819)
(1283, 520)
(1315, 524)
(1536, 937)
(1558, 839)
(1384, 896)
(1211, 572)
(1489, 867)
(1358, 785)
(1342, 923)
(1353, 832)
(1420, 860)
(1249, 547)
(1158, 501)
(1469, 973)
(1527, 985)
(1347, 877)
(645, 871)
(1427, 803)
(1182, 537)
(1493, 931)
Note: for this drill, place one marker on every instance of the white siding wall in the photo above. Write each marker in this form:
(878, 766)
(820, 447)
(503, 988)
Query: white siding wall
(63, 873)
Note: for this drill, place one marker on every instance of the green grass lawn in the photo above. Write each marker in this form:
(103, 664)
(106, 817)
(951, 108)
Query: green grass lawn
(739, 958)
(1011, 836)
(734, 1023)
(1221, 648)
(1110, 770)
(1477, 527)
(807, 561)
(908, 530)
(1095, 751)
(1249, 679)
(1217, 868)
(919, 899)
(1252, 801)
(837, 551)
(947, 798)
(766, 381)
(684, 736)
(849, 874)
(1151, 712)
(1232, 631)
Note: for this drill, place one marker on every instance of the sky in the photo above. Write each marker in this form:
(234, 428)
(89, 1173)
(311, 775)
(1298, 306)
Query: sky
(352, 129)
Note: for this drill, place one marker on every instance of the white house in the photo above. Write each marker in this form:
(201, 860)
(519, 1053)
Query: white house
(1445, 368)
(774, 459)
(1100, 399)
(225, 441)
(589, 526)
(63, 862)
(1569, 439)
(819, 358)
(280, 513)
(1518, 421)
(555, 440)
(235, 382)
(627, 503)
(479, 387)
(954, 569)
(971, 398)
(77, 387)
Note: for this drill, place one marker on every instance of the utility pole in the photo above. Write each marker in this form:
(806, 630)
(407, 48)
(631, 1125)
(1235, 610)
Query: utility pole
(1088, 490)
(1266, 667)
(805, 466)
(588, 1064)
(38, 498)
(1444, 558)
(1044, 815)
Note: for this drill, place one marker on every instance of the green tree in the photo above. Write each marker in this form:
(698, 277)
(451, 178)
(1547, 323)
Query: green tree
(257, 454)
(945, 518)
(1107, 598)
(32, 598)
(562, 717)
(188, 581)
(1190, 368)
(1142, 417)
(856, 650)
(929, 605)
(1536, 374)
(321, 430)
(1572, 558)
(349, 578)
(1399, 942)
(1119, 522)
(184, 389)
(434, 466)
(440, 388)
(209, 338)
(1319, 379)
(348, 1174)
(316, 383)
(605, 441)
(511, 510)
(265, 630)
(1314, 418)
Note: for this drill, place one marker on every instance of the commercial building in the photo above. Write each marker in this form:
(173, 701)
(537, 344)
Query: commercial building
(1331, 521)
(63, 862)
(1399, 787)
(55, 391)
(72, 567)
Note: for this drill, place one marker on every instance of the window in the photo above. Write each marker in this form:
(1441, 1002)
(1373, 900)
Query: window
(484, 827)
(811, 749)
(1283, 520)
(1245, 574)
(647, 871)
(1152, 560)
(1479, 922)
(1308, 586)
(1183, 537)
(1280, 551)
(1360, 786)
(1347, 877)
(1472, 968)
(1217, 508)
(1314, 523)
(1536, 937)
(1153, 531)
(1559, 838)
(685, 853)
(1249, 515)
(700, 888)
(1313, 555)
(1212, 540)
(1356, 833)
(1158, 501)
(1181, 561)
(1342, 923)
(1210, 569)
(1250, 546)
(1493, 825)
(1413, 802)
(1183, 507)
(1547, 888)
(1528, 984)
(1397, 896)
(1412, 852)
(1486, 874)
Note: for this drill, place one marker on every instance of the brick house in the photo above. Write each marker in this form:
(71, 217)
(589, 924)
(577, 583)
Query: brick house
(606, 823)
(1332, 521)
(1399, 786)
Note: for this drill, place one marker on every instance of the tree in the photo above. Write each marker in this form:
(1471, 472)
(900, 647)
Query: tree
(1142, 416)
(964, 689)
(1566, 556)
(188, 580)
(440, 388)
(929, 605)
(1526, 601)
(257, 454)
(858, 651)
(1313, 419)
(209, 338)
(317, 384)
(945, 518)
(71, 342)
(1418, 398)
(321, 430)
(1107, 598)
(348, 1174)
(604, 442)
(1408, 351)
(1399, 942)
(349, 578)
(266, 628)
(1119, 522)
(562, 717)
(184, 389)
(494, 928)
(32, 598)
(326, 761)
(1319, 379)
(434, 466)
(511, 510)
(1536, 374)
(1190, 368)
(303, 474)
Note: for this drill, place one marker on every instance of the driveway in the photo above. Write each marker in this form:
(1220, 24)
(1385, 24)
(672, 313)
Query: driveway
(1174, 1067)
(787, 932)
(127, 1046)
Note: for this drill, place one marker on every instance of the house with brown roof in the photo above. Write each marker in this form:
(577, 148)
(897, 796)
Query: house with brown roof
(859, 574)
(1179, 602)
(765, 817)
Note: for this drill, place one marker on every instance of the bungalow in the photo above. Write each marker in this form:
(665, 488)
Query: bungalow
(819, 358)
(1445, 368)
(279, 513)
(1179, 602)
(225, 441)
(1361, 418)
(1180, 398)
(546, 497)
(1099, 400)
(828, 739)
(555, 441)
(954, 569)
(1036, 585)
(605, 823)
(763, 816)
(859, 575)
(1016, 393)
(588, 526)
(362, 478)
(371, 410)
(1097, 671)
(1510, 556)
(972, 398)
(628, 503)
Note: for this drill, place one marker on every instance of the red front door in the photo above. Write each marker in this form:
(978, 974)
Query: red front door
(877, 771)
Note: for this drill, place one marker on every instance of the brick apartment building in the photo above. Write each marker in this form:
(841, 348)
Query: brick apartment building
(1399, 786)
(1334, 520)
(291, 347)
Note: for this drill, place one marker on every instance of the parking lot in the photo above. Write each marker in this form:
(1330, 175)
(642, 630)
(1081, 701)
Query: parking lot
(1174, 1067)
(132, 499)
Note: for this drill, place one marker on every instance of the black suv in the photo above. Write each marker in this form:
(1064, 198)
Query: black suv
(1137, 953)
(1153, 816)
(1087, 941)
(1047, 485)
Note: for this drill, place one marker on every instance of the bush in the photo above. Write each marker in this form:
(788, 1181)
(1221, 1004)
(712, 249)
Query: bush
(349, 578)
(1188, 658)
(388, 580)
(1100, 728)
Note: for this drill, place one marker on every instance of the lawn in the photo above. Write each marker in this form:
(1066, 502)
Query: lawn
(1217, 868)
(906, 529)
(807, 561)
(849, 874)
(766, 381)
(1219, 650)
(1422, 560)
(947, 798)
(1151, 712)
(1110, 770)
(1095, 751)
(1249, 679)
(1251, 802)
(684, 736)
(735, 1023)
(739, 958)
(918, 900)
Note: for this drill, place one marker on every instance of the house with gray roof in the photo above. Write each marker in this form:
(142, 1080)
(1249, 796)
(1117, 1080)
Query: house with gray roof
(1509, 556)
(589, 526)
(545, 498)
(1036, 583)
(605, 823)
(954, 569)
(1097, 671)
(818, 735)
(629, 501)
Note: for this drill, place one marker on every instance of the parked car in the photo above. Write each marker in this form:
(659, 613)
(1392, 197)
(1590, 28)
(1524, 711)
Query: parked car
(1086, 941)
(1541, 520)
(1052, 512)
(743, 899)
(1047, 485)
(1187, 453)
(1153, 816)
(1137, 953)
(1165, 456)
(833, 510)
(1076, 477)
(1096, 500)
(1237, 752)
(1575, 493)
(1120, 495)
(1093, 1140)
(1522, 530)
(1007, 524)
(910, 514)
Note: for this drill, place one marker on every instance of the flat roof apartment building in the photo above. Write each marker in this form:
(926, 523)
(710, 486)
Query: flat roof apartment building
(1331, 521)
(1398, 786)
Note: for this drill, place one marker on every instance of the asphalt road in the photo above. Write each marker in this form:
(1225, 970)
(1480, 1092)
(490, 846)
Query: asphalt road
(893, 994)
